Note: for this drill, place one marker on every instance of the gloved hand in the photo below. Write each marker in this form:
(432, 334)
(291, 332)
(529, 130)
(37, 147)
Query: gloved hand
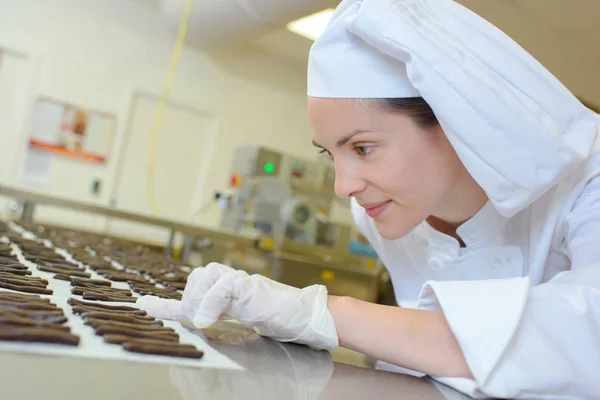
(271, 308)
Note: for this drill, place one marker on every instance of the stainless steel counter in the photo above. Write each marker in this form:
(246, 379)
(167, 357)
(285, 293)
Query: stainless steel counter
(274, 371)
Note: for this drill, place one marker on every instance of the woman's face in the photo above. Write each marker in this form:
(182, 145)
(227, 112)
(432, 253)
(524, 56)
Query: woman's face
(400, 173)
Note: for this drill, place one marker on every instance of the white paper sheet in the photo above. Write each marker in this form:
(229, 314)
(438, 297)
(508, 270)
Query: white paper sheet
(37, 168)
(47, 119)
(93, 346)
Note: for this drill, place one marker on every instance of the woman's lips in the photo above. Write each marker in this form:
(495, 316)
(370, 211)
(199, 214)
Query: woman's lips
(375, 209)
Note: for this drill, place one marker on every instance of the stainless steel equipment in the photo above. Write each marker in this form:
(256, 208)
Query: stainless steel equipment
(280, 196)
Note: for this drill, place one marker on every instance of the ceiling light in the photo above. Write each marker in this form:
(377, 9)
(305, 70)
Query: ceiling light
(312, 25)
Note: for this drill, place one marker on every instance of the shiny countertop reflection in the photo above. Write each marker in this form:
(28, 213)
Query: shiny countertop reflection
(274, 371)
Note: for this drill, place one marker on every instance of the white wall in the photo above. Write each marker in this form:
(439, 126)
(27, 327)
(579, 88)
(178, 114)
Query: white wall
(97, 53)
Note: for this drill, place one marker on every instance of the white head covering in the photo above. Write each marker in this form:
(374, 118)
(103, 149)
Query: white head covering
(515, 127)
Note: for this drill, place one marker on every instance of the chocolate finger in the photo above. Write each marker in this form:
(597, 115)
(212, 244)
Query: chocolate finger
(22, 277)
(95, 322)
(97, 282)
(64, 271)
(86, 309)
(130, 319)
(7, 319)
(101, 297)
(79, 290)
(22, 297)
(50, 317)
(106, 330)
(14, 265)
(25, 289)
(75, 302)
(171, 351)
(40, 335)
(120, 339)
(64, 265)
(18, 272)
(23, 281)
(20, 305)
(100, 287)
(62, 277)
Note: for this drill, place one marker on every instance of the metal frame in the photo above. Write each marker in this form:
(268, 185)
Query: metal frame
(31, 200)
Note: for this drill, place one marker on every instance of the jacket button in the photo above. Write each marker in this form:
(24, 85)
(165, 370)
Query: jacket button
(436, 264)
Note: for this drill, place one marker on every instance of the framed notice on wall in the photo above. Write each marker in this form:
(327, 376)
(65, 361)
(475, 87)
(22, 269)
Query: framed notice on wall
(68, 130)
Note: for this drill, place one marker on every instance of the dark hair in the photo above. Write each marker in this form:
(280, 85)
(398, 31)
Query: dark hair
(415, 107)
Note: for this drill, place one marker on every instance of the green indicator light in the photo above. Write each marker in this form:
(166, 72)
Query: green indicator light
(269, 168)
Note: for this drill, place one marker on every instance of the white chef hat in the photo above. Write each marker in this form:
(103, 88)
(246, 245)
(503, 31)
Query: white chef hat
(515, 127)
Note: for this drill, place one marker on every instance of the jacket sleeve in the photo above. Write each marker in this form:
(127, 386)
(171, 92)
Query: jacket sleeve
(539, 342)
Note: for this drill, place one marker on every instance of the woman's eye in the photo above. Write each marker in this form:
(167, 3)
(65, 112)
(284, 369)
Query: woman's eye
(325, 151)
(363, 150)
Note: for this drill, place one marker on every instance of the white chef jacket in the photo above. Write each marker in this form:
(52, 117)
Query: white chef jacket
(523, 296)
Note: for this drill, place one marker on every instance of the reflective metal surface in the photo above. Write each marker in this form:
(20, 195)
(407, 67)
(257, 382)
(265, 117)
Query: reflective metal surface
(274, 371)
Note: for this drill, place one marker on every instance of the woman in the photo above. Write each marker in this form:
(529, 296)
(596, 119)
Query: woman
(473, 174)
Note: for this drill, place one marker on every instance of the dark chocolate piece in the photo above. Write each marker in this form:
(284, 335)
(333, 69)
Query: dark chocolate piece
(105, 330)
(122, 276)
(119, 339)
(22, 297)
(64, 271)
(40, 335)
(170, 351)
(75, 302)
(64, 266)
(20, 305)
(14, 271)
(81, 284)
(23, 278)
(79, 290)
(80, 310)
(22, 282)
(50, 317)
(130, 319)
(25, 289)
(7, 319)
(158, 293)
(95, 322)
(101, 297)
(62, 277)
(14, 265)
(43, 260)
(175, 285)
(97, 282)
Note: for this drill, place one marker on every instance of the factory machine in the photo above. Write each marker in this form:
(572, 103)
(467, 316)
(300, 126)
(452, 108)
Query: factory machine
(282, 197)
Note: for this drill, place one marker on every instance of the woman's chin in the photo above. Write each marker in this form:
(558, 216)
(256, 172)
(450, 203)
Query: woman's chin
(391, 231)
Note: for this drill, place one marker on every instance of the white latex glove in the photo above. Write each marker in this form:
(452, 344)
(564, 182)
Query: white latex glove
(271, 308)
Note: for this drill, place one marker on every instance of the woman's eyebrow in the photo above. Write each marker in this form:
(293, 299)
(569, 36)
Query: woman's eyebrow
(349, 136)
(342, 141)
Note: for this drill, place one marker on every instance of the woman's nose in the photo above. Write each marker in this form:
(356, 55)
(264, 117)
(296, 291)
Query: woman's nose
(347, 181)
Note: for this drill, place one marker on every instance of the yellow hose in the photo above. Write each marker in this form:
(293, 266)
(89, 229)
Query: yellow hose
(160, 111)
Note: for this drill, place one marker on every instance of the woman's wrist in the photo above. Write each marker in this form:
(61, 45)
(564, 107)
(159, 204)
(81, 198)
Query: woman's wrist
(414, 339)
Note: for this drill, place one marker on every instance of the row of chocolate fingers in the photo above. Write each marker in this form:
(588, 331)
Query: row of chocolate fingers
(133, 330)
(30, 318)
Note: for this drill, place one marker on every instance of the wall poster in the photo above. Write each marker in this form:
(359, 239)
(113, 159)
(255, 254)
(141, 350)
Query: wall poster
(71, 131)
